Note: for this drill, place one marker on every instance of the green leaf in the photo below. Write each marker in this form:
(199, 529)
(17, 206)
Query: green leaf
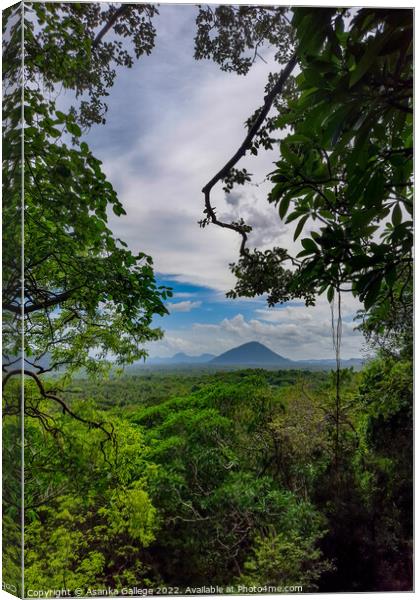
(53, 132)
(369, 57)
(61, 116)
(299, 138)
(310, 245)
(73, 128)
(294, 215)
(362, 218)
(372, 293)
(330, 294)
(284, 205)
(299, 227)
(118, 210)
(391, 276)
(289, 155)
(396, 215)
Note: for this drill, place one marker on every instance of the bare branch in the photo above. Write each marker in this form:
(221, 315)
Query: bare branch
(253, 130)
(50, 396)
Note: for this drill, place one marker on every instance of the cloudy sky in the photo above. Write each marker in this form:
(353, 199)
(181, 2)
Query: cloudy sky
(172, 124)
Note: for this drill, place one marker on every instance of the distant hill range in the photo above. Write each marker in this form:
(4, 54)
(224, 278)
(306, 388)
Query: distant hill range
(181, 359)
(251, 354)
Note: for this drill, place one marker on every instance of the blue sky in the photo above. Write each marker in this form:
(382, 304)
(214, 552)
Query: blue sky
(171, 125)
(202, 304)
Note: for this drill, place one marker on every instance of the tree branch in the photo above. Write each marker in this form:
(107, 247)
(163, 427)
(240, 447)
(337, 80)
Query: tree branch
(124, 8)
(253, 130)
(50, 396)
(57, 299)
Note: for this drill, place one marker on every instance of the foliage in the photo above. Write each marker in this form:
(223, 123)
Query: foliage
(345, 178)
(87, 297)
(281, 561)
(87, 507)
(230, 478)
(216, 449)
(232, 36)
(235, 38)
(301, 436)
(388, 326)
(69, 45)
(106, 295)
(210, 478)
(346, 160)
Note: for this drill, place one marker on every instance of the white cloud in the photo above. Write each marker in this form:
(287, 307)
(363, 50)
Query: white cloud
(263, 218)
(313, 316)
(294, 331)
(172, 124)
(185, 306)
(183, 295)
(173, 344)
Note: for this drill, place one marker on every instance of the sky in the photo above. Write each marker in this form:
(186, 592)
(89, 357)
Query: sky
(172, 123)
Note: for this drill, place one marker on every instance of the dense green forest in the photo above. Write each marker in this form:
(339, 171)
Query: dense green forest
(229, 479)
(175, 481)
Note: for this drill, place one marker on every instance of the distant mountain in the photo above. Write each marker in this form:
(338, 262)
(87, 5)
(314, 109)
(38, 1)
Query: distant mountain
(180, 358)
(185, 358)
(252, 353)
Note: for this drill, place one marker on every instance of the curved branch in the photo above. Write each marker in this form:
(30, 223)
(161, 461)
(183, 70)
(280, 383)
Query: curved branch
(50, 396)
(56, 299)
(124, 8)
(253, 130)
